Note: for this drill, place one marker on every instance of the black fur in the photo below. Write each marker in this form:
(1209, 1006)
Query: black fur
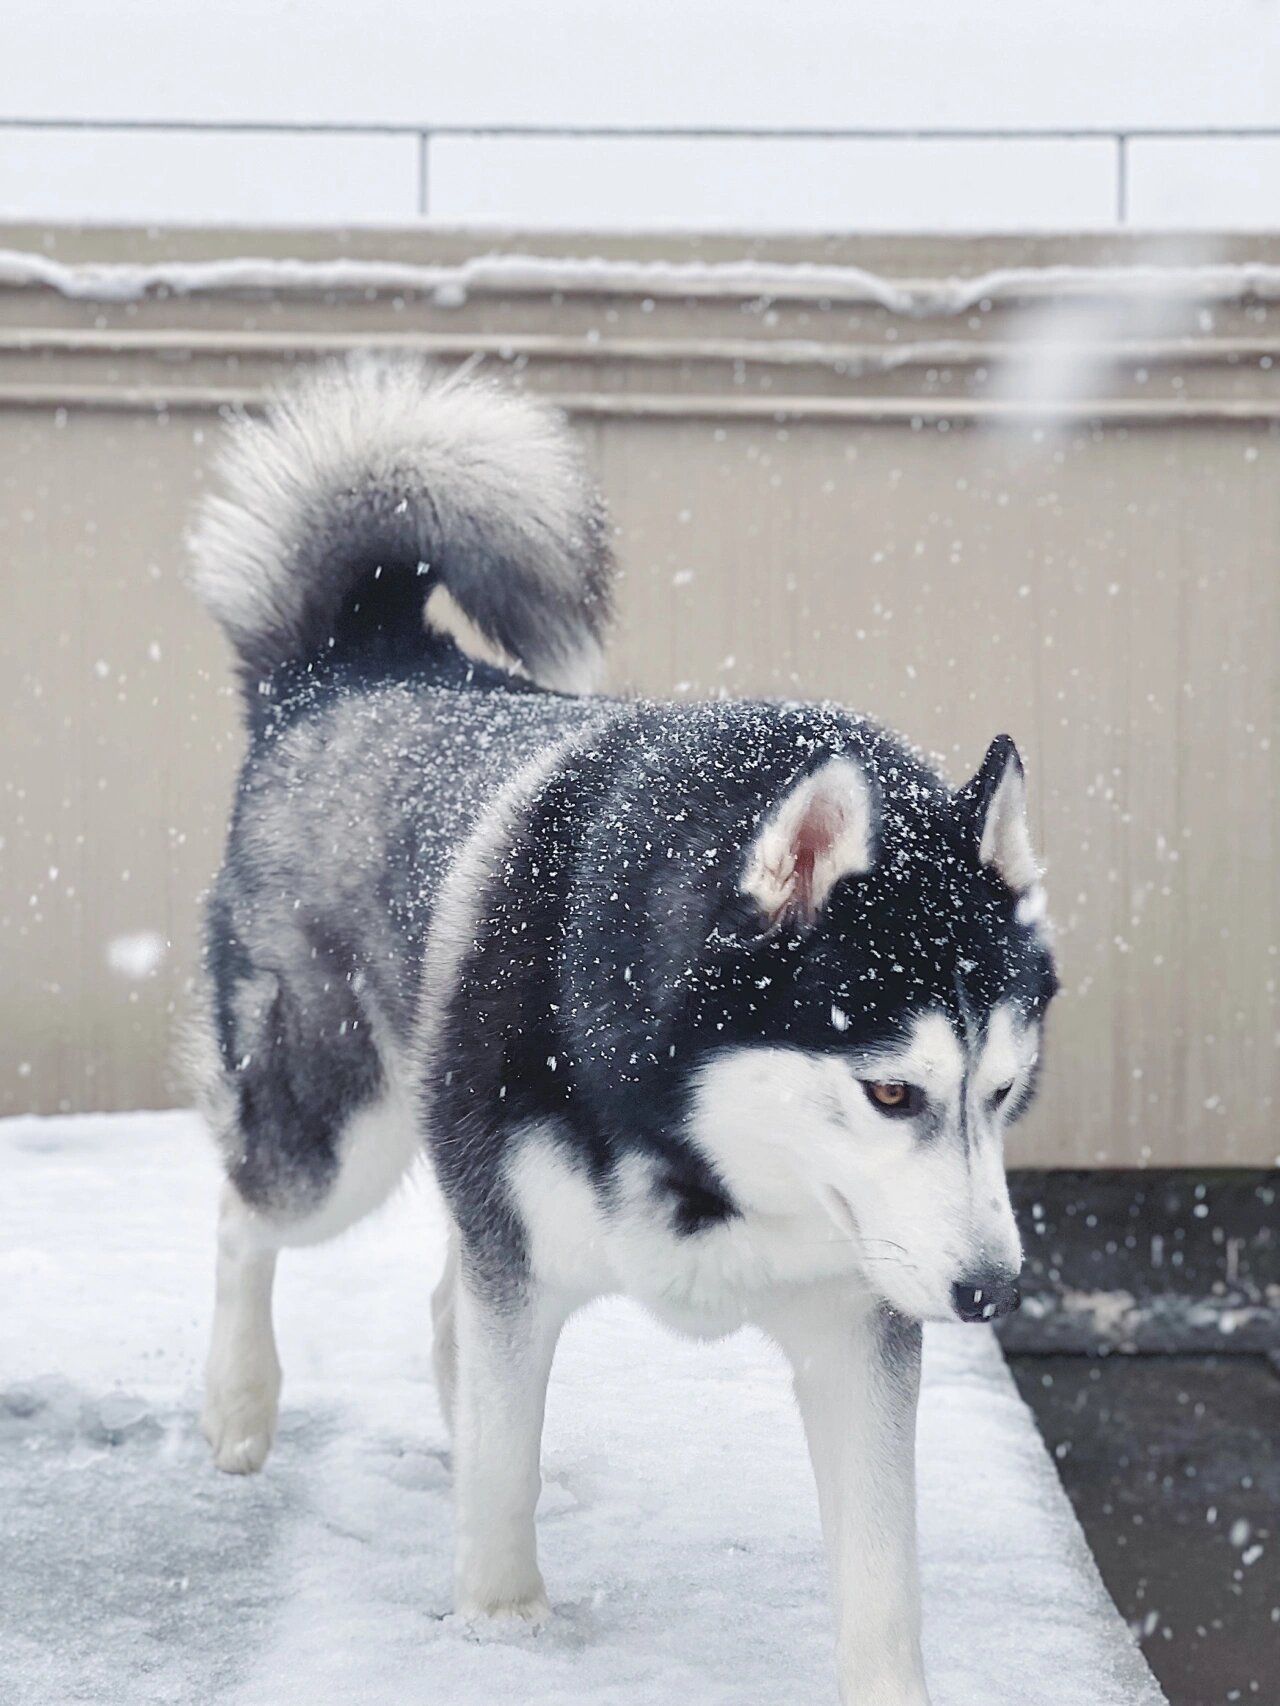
(615, 942)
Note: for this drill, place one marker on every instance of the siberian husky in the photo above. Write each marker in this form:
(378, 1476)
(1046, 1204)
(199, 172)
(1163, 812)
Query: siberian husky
(722, 1006)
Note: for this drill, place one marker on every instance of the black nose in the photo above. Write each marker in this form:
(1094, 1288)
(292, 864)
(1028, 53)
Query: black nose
(986, 1299)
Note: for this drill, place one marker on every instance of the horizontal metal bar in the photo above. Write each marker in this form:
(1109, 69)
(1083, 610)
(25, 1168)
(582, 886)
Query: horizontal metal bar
(774, 133)
(908, 411)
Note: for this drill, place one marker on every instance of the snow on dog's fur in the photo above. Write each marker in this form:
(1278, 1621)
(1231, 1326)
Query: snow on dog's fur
(722, 1006)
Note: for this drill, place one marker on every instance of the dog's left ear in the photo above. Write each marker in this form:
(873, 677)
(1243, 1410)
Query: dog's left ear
(996, 798)
(822, 829)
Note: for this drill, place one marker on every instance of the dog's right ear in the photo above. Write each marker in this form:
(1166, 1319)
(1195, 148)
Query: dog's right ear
(822, 829)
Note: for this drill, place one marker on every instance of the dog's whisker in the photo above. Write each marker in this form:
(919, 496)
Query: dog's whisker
(864, 1256)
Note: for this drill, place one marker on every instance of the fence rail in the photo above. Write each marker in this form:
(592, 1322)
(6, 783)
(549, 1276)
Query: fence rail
(1121, 138)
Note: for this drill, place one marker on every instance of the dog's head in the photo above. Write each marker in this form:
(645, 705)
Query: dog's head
(879, 1003)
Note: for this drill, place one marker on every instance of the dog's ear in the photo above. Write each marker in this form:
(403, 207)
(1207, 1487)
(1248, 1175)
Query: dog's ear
(996, 802)
(822, 829)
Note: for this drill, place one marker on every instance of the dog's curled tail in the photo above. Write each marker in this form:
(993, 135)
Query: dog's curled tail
(370, 482)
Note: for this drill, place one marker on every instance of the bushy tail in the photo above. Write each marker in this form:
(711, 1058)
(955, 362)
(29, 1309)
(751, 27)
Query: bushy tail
(370, 482)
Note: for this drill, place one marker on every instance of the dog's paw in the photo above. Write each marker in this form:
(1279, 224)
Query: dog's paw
(240, 1425)
(518, 1598)
(533, 1611)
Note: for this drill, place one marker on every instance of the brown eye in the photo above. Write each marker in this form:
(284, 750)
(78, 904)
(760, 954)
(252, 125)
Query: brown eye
(894, 1097)
(889, 1095)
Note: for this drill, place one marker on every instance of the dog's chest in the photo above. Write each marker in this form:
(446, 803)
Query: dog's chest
(704, 1282)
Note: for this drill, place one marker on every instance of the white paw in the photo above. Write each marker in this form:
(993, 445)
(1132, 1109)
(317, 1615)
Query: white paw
(534, 1610)
(522, 1599)
(239, 1422)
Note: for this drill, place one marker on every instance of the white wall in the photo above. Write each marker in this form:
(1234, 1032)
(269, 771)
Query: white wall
(336, 73)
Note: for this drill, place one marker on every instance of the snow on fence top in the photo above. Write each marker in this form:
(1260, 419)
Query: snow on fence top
(747, 280)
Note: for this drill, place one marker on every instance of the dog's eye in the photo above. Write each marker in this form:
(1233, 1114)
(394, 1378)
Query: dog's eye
(894, 1097)
(1001, 1096)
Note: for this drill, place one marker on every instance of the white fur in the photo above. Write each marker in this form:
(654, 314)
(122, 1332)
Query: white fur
(444, 1331)
(765, 1267)
(503, 1364)
(378, 1146)
(580, 672)
(703, 1286)
(1009, 1052)
(820, 831)
(859, 1420)
(569, 1232)
(1005, 844)
(242, 1374)
(796, 1140)
(1033, 907)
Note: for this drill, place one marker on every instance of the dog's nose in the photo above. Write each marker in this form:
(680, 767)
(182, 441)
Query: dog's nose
(985, 1299)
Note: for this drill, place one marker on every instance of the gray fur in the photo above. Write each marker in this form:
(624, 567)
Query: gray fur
(347, 817)
(370, 463)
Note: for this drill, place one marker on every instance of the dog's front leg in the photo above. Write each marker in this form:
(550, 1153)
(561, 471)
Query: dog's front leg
(857, 1377)
(505, 1344)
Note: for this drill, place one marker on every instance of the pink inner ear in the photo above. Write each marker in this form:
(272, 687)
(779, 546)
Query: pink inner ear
(815, 836)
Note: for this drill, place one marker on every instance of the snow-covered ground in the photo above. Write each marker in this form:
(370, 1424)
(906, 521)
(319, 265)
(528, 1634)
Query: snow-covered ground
(678, 1525)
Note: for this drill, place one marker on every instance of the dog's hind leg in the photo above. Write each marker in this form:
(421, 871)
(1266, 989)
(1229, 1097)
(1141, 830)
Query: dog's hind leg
(505, 1345)
(306, 1159)
(242, 1374)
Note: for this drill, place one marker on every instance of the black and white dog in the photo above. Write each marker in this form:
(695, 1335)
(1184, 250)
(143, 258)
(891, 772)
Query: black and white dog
(722, 1006)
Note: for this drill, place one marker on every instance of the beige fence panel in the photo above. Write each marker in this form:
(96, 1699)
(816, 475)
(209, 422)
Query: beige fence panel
(1015, 489)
